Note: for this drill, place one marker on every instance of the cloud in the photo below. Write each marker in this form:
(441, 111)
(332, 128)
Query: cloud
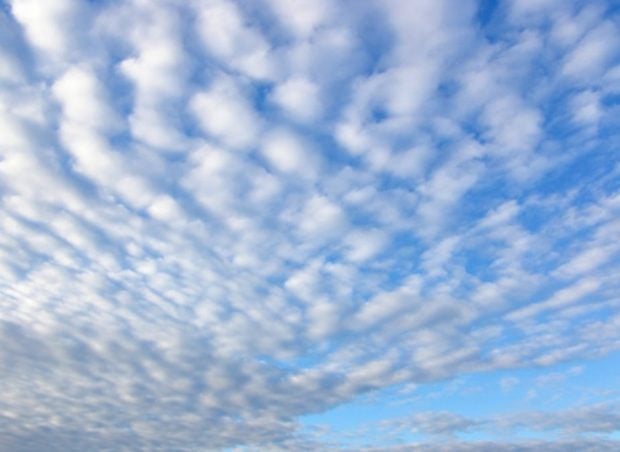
(224, 113)
(440, 423)
(83, 101)
(288, 153)
(219, 217)
(50, 27)
(303, 18)
(300, 98)
(466, 446)
(227, 35)
(441, 429)
(591, 55)
(603, 418)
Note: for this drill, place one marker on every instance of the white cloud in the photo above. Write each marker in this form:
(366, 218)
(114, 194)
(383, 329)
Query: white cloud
(49, 26)
(321, 218)
(587, 108)
(229, 215)
(525, 7)
(587, 260)
(300, 98)
(225, 113)
(365, 244)
(303, 17)
(165, 208)
(591, 55)
(288, 153)
(388, 304)
(158, 68)
(305, 282)
(559, 299)
(226, 34)
(512, 126)
(83, 101)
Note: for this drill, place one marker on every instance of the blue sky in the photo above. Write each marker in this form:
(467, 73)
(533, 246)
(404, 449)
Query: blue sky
(374, 225)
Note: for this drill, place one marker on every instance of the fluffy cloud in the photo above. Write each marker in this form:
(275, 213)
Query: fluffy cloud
(225, 114)
(218, 217)
(300, 98)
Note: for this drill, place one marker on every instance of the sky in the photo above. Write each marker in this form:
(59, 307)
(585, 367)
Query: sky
(309, 225)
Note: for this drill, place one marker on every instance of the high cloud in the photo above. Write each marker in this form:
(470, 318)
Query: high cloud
(218, 217)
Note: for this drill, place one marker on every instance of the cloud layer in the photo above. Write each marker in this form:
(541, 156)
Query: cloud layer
(219, 216)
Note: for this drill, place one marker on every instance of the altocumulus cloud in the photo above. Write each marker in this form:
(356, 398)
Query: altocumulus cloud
(218, 217)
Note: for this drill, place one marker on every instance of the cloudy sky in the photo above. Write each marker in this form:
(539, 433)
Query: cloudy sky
(264, 225)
